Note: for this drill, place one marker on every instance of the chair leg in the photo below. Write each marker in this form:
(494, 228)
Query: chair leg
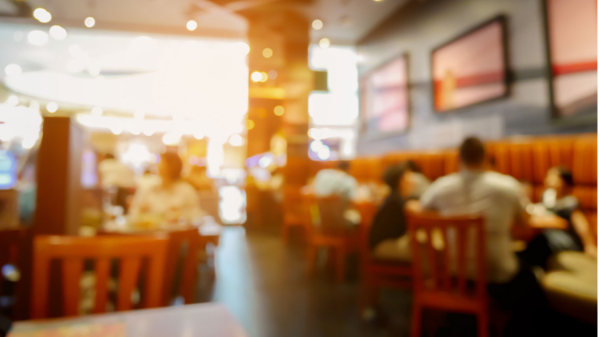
(483, 324)
(311, 256)
(415, 325)
(340, 270)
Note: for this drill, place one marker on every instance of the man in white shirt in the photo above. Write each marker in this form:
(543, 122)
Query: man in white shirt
(474, 190)
(501, 200)
(336, 182)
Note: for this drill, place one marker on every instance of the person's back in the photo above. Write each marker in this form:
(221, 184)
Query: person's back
(499, 198)
(493, 195)
(335, 182)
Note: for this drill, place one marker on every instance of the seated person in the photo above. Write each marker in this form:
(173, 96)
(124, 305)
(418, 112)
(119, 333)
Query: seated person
(418, 181)
(557, 199)
(387, 239)
(173, 199)
(331, 182)
(501, 200)
(336, 182)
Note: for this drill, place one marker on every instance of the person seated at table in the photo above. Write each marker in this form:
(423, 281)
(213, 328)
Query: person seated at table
(502, 201)
(557, 199)
(173, 199)
(387, 239)
(417, 179)
(336, 182)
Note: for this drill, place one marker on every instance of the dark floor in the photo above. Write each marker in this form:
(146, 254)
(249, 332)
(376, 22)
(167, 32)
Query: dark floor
(266, 287)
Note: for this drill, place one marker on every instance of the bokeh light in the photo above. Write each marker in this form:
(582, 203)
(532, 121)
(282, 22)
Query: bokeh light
(278, 110)
(37, 37)
(52, 107)
(89, 22)
(12, 70)
(42, 15)
(191, 25)
(267, 53)
(58, 32)
(256, 76)
(324, 43)
(317, 24)
(250, 124)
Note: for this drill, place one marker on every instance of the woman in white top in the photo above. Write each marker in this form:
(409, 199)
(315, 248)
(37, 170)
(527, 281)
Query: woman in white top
(173, 199)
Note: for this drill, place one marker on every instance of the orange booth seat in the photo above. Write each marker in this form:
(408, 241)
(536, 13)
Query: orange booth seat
(525, 158)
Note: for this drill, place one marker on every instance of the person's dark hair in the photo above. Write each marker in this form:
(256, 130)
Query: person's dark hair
(566, 175)
(472, 151)
(344, 165)
(109, 156)
(174, 164)
(412, 166)
(393, 175)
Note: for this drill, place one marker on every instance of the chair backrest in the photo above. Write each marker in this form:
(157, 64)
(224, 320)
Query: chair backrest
(292, 199)
(441, 260)
(367, 211)
(327, 213)
(178, 239)
(73, 251)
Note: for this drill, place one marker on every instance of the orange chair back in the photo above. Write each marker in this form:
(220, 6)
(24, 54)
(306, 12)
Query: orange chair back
(326, 214)
(441, 261)
(11, 242)
(72, 251)
(178, 239)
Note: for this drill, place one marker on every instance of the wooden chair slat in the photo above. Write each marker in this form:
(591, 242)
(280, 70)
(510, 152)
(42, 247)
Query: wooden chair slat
(71, 276)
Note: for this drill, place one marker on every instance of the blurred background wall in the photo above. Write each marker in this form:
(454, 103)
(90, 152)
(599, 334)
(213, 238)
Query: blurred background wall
(421, 26)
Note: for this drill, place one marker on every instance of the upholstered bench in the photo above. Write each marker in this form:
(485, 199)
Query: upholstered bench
(571, 286)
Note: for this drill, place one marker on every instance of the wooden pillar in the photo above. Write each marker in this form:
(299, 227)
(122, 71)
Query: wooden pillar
(58, 209)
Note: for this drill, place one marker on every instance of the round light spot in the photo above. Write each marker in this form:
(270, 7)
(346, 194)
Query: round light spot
(324, 43)
(267, 53)
(89, 22)
(250, 124)
(13, 70)
(256, 76)
(278, 110)
(317, 24)
(191, 25)
(42, 15)
(52, 107)
(58, 32)
(37, 37)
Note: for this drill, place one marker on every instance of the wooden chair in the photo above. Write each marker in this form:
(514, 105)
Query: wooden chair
(11, 243)
(177, 240)
(331, 232)
(377, 273)
(438, 245)
(293, 213)
(72, 251)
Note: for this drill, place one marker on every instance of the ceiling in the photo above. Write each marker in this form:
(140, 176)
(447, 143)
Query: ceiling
(345, 21)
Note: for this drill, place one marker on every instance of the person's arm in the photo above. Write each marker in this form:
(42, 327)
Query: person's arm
(582, 227)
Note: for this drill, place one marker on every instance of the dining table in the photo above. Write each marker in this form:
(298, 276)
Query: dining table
(197, 320)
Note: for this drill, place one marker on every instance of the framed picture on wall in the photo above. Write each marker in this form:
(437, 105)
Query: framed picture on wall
(572, 42)
(471, 68)
(384, 98)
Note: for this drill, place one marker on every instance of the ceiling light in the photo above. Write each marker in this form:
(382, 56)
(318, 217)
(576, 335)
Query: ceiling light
(52, 107)
(58, 32)
(117, 130)
(89, 22)
(317, 24)
(191, 25)
(97, 111)
(12, 70)
(264, 76)
(37, 37)
(378, 0)
(171, 138)
(324, 43)
(148, 131)
(250, 124)
(278, 110)
(236, 140)
(42, 15)
(272, 74)
(256, 76)
(13, 100)
(267, 53)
